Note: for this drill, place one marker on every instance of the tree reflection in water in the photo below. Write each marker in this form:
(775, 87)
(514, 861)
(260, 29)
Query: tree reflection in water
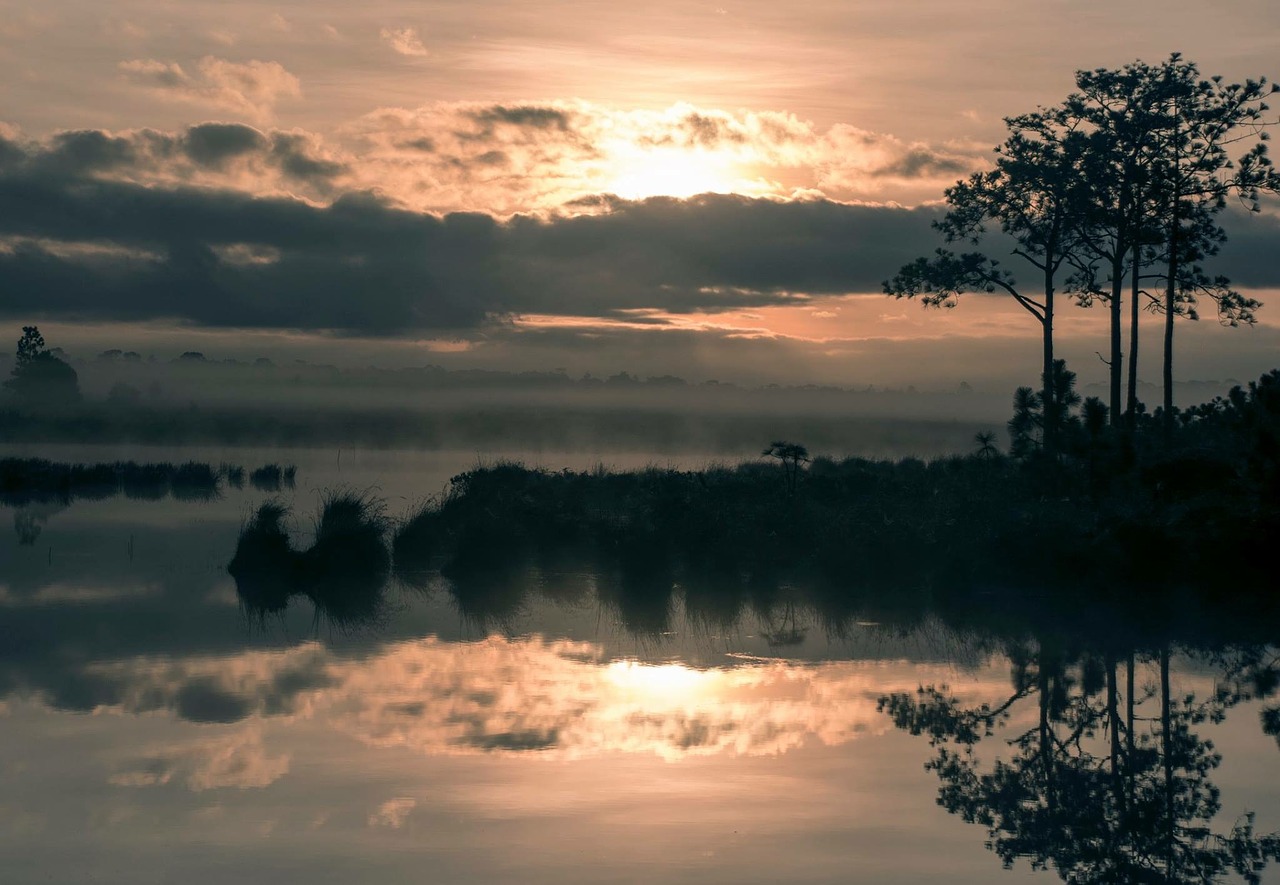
(1100, 773)
(1100, 782)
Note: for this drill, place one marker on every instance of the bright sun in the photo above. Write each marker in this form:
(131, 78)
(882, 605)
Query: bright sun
(670, 173)
(668, 682)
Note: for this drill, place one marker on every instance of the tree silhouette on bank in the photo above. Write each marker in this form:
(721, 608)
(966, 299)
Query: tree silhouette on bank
(1128, 173)
(1084, 788)
(39, 378)
(1033, 197)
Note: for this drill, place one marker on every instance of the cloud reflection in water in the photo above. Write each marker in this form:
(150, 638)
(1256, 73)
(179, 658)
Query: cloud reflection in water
(557, 698)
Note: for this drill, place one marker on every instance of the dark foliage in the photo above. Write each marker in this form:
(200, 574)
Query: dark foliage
(344, 573)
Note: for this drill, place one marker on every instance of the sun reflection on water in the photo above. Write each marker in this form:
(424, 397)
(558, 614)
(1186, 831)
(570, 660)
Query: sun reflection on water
(666, 682)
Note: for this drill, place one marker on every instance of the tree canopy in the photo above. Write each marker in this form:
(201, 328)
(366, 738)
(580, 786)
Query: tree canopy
(1120, 183)
(39, 378)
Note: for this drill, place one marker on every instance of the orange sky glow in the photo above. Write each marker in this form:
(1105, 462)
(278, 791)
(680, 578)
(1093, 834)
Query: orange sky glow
(550, 111)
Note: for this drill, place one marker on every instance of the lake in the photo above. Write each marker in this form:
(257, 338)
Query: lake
(558, 726)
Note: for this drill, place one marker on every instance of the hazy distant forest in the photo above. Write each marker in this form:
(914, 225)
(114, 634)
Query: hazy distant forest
(192, 399)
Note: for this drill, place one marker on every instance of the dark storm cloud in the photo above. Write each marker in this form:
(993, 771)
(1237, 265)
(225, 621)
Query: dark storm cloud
(531, 116)
(713, 252)
(363, 265)
(213, 144)
(148, 152)
(922, 162)
(77, 241)
(1249, 255)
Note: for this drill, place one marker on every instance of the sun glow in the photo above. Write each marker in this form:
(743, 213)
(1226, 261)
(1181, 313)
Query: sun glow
(671, 173)
(669, 682)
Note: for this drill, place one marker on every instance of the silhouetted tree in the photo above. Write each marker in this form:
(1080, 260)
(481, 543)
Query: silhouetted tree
(791, 456)
(1128, 171)
(1031, 424)
(39, 378)
(1197, 124)
(1137, 807)
(1116, 108)
(1035, 196)
(1024, 426)
(985, 440)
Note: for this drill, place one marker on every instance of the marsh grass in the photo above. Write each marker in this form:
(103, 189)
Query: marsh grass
(234, 474)
(344, 572)
(267, 478)
(273, 477)
(146, 482)
(265, 567)
(348, 565)
(36, 480)
(193, 481)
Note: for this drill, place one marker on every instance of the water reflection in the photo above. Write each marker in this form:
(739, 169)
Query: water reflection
(557, 698)
(344, 573)
(654, 706)
(1106, 777)
(1102, 773)
(29, 521)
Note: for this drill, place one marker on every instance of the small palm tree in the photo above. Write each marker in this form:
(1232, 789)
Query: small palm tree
(986, 443)
(792, 455)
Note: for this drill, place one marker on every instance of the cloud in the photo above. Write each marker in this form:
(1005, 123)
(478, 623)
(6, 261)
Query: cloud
(859, 161)
(404, 41)
(393, 813)
(509, 158)
(508, 697)
(226, 225)
(252, 88)
(238, 761)
(436, 156)
(360, 265)
(232, 157)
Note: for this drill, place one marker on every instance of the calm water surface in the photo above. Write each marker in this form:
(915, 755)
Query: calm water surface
(153, 731)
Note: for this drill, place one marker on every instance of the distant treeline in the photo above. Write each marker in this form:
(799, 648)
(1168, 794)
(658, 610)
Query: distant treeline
(499, 427)
(193, 366)
(127, 379)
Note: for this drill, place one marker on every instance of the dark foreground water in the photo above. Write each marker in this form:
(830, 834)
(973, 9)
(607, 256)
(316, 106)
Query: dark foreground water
(557, 729)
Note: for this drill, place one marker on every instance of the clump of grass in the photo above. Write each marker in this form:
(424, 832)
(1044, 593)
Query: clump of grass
(234, 475)
(416, 543)
(348, 566)
(146, 482)
(344, 573)
(266, 569)
(267, 478)
(94, 481)
(193, 481)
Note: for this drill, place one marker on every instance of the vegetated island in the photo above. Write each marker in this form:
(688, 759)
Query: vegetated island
(26, 481)
(1109, 515)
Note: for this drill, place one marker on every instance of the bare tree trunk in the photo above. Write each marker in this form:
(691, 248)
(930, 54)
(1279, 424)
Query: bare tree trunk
(1050, 404)
(1166, 750)
(1128, 730)
(1171, 290)
(1113, 723)
(1169, 306)
(1117, 320)
(1046, 740)
(1131, 405)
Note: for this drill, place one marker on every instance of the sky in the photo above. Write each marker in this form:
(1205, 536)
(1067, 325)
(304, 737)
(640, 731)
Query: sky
(715, 190)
